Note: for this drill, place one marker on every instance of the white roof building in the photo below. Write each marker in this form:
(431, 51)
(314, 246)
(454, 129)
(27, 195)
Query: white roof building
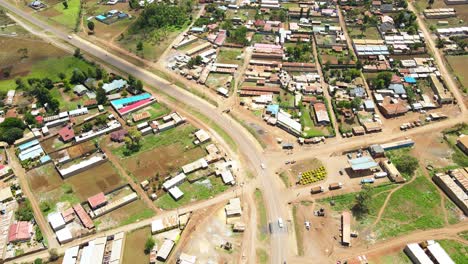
(116, 252)
(56, 221)
(165, 250)
(64, 235)
(174, 181)
(71, 254)
(439, 254)
(176, 193)
(417, 254)
(187, 259)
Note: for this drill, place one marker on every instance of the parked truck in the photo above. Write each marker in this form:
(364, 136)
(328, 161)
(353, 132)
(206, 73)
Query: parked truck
(335, 186)
(381, 174)
(317, 189)
(368, 180)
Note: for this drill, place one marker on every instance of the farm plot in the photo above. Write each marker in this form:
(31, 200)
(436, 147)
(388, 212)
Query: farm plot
(230, 55)
(135, 246)
(130, 213)
(50, 188)
(458, 64)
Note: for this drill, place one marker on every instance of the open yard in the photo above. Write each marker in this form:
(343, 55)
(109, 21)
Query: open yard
(368, 33)
(130, 213)
(49, 187)
(216, 80)
(458, 64)
(229, 55)
(199, 190)
(135, 245)
(155, 110)
(308, 124)
(416, 206)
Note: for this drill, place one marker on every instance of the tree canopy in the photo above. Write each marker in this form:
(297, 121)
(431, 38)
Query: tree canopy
(159, 15)
(11, 129)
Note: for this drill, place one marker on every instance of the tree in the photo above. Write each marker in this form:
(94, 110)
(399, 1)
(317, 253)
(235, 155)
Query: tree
(87, 127)
(53, 255)
(406, 164)
(24, 212)
(149, 245)
(11, 129)
(77, 77)
(65, 4)
(139, 86)
(100, 120)
(132, 140)
(139, 46)
(77, 53)
(101, 97)
(30, 119)
(62, 76)
(38, 261)
(430, 2)
(48, 83)
(356, 103)
(91, 25)
(362, 201)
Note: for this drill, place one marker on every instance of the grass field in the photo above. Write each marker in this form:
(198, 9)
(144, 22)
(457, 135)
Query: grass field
(216, 80)
(396, 258)
(299, 234)
(458, 64)
(193, 192)
(416, 206)
(130, 213)
(49, 68)
(308, 125)
(67, 17)
(262, 256)
(178, 135)
(369, 33)
(229, 55)
(135, 246)
(456, 250)
(262, 216)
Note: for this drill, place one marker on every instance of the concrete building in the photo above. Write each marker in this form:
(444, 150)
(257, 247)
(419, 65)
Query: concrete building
(346, 229)
(453, 190)
(392, 171)
(417, 254)
(462, 143)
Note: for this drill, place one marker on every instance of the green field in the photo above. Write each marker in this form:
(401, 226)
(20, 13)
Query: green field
(229, 55)
(308, 125)
(416, 206)
(458, 64)
(178, 135)
(135, 246)
(456, 250)
(192, 192)
(68, 17)
(50, 68)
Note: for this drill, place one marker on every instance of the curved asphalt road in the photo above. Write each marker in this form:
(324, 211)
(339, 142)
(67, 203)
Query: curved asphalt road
(246, 144)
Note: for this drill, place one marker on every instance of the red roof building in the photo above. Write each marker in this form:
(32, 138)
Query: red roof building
(20, 231)
(97, 200)
(39, 119)
(119, 135)
(66, 133)
(84, 217)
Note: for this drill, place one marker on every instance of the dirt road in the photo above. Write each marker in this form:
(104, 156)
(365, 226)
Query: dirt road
(448, 78)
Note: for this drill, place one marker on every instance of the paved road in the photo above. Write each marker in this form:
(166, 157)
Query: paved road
(246, 144)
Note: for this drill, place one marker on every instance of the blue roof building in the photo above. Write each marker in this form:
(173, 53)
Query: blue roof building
(397, 88)
(410, 79)
(358, 92)
(362, 163)
(272, 109)
(115, 85)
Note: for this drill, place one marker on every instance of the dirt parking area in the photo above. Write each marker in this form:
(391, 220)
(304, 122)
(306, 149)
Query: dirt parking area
(210, 234)
(322, 238)
(432, 149)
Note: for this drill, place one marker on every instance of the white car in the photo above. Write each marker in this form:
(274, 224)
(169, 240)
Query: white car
(69, 37)
(280, 222)
(263, 166)
(307, 225)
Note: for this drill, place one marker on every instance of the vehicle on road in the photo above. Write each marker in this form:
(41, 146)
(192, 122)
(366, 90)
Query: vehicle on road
(335, 186)
(368, 180)
(263, 166)
(381, 174)
(69, 37)
(317, 189)
(307, 225)
(280, 222)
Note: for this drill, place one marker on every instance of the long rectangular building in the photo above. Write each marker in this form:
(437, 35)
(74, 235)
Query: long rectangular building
(346, 228)
(455, 192)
